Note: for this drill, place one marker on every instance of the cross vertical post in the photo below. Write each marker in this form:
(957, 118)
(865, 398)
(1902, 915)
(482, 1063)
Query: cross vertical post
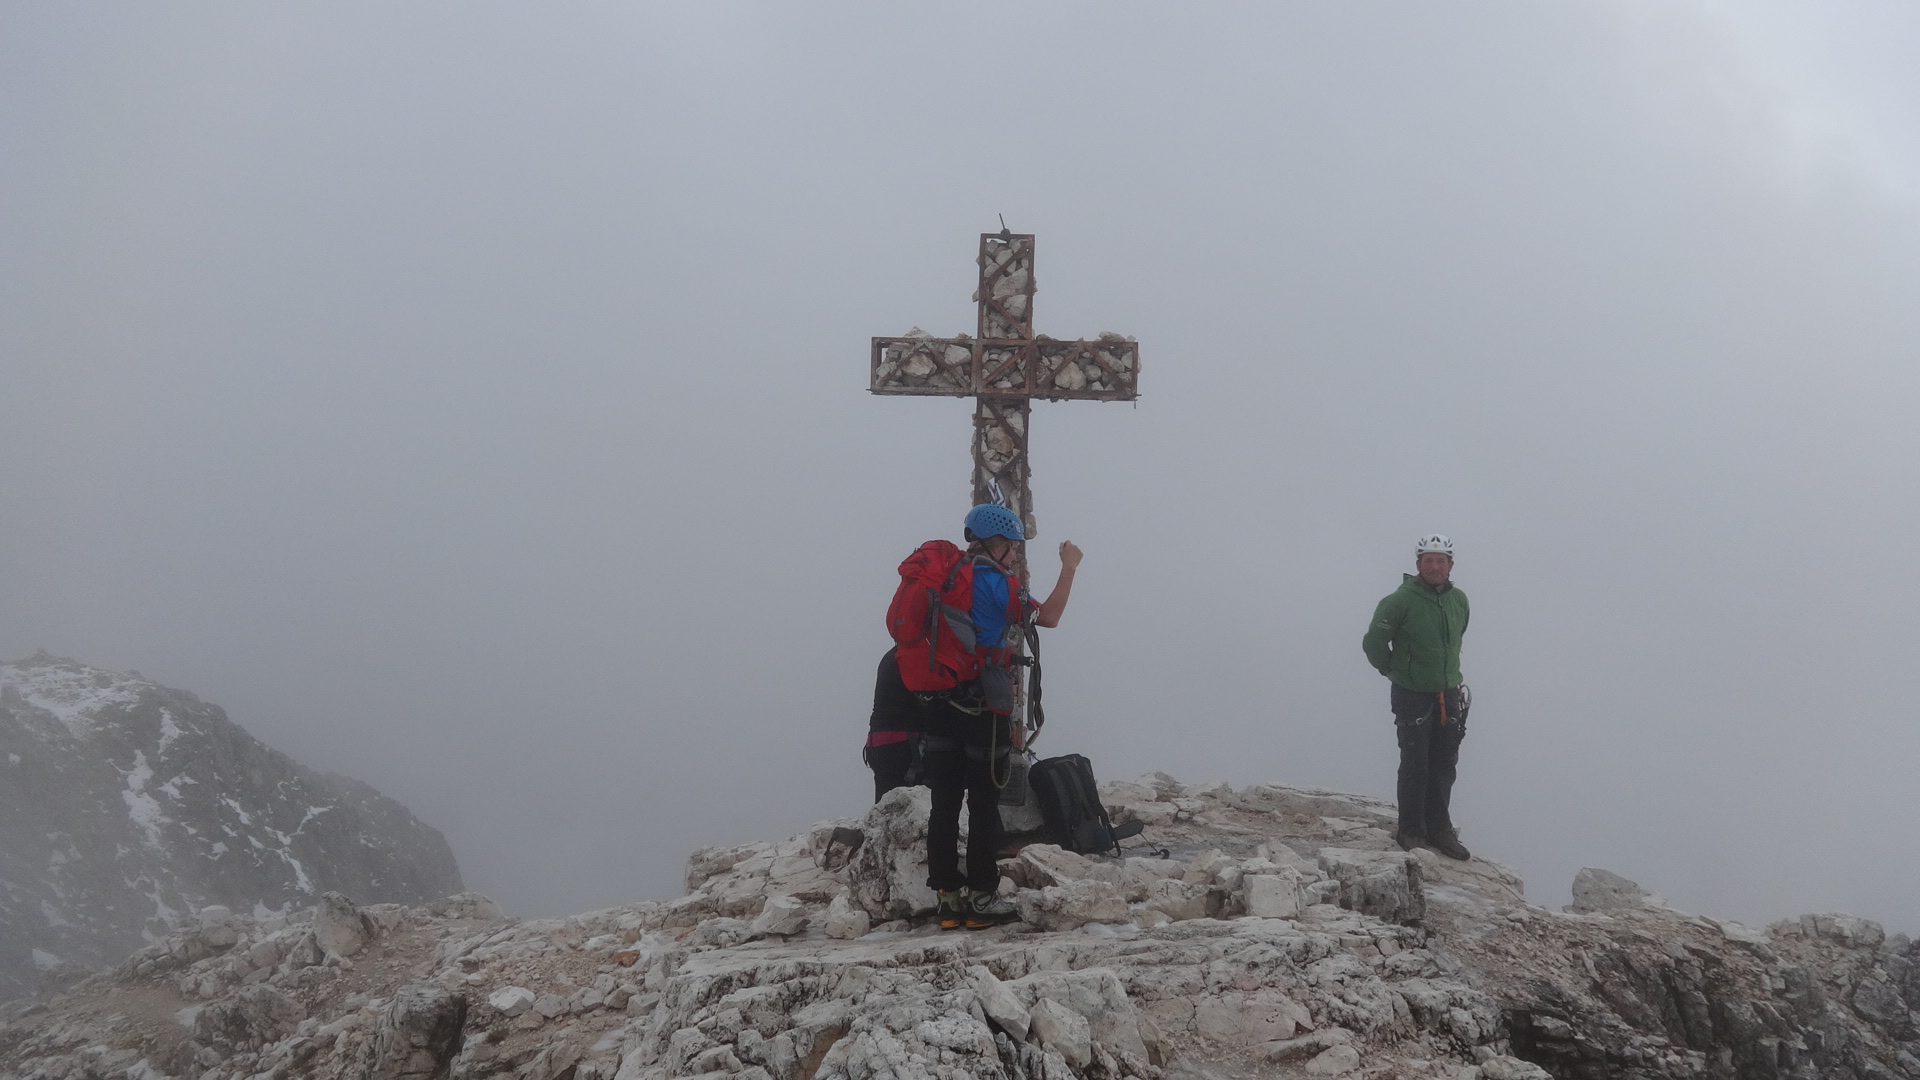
(1005, 301)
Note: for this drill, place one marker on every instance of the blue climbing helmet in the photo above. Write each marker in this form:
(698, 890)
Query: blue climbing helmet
(991, 519)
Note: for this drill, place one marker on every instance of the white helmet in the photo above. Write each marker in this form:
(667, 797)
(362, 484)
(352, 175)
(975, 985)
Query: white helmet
(1433, 542)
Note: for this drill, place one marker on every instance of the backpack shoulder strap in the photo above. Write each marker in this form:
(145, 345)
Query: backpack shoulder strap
(965, 562)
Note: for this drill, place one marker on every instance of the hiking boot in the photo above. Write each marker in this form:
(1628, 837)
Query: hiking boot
(1447, 842)
(987, 909)
(952, 908)
(1408, 840)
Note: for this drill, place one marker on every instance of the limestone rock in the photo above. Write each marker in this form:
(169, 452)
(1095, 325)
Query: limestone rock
(1179, 899)
(1503, 1067)
(1097, 996)
(708, 863)
(419, 1033)
(1139, 877)
(1878, 1001)
(511, 1000)
(1273, 896)
(304, 952)
(339, 927)
(465, 905)
(1000, 1003)
(257, 1015)
(722, 932)
(1135, 800)
(1387, 885)
(1317, 802)
(1333, 1061)
(1065, 907)
(1305, 1047)
(1849, 930)
(1041, 865)
(889, 872)
(1099, 986)
(783, 916)
(1740, 933)
(1595, 889)
(1063, 1031)
(843, 920)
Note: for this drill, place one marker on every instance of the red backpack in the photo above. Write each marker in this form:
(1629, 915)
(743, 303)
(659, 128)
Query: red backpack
(931, 618)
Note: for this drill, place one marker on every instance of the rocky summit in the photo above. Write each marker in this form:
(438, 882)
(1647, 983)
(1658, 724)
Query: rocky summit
(126, 806)
(1266, 932)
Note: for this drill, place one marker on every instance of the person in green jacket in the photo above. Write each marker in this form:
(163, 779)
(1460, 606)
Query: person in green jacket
(1414, 640)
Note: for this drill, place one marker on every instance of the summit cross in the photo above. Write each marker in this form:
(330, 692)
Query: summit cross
(1003, 368)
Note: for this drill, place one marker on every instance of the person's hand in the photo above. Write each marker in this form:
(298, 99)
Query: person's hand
(1070, 555)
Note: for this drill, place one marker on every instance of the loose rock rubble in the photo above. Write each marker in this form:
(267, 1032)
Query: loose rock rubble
(1272, 932)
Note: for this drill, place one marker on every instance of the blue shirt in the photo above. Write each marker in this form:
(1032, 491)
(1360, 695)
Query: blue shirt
(989, 607)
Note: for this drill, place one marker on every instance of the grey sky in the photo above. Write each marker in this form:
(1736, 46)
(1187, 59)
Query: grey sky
(470, 398)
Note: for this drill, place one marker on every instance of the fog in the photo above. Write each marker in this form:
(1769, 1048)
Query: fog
(471, 399)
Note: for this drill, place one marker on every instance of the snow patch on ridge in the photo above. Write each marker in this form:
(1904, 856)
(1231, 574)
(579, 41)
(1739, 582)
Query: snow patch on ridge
(301, 881)
(163, 913)
(241, 811)
(143, 808)
(71, 693)
(52, 914)
(169, 731)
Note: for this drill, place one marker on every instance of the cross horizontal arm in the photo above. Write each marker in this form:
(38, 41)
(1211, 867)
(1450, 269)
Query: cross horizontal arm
(1105, 369)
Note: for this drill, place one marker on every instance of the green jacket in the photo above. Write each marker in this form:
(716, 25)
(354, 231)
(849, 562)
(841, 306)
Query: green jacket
(1414, 638)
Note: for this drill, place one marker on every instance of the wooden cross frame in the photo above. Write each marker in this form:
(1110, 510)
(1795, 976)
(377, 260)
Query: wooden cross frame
(1003, 368)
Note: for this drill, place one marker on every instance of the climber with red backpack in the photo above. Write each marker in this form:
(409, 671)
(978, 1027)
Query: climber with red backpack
(952, 621)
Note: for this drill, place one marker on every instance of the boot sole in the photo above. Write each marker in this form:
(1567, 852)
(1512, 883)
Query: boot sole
(988, 924)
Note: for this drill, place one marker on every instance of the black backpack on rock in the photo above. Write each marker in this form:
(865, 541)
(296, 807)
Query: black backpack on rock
(1070, 802)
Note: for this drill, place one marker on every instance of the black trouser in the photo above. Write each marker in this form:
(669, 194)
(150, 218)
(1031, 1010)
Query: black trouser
(965, 754)
(891, 765)
(1429, 757)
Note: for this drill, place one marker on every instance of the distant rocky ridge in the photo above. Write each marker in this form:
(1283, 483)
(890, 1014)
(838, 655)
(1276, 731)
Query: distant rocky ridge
(1267, 932)
(125, 806)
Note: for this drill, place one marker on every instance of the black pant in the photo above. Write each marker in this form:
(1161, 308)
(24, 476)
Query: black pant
(1429, 757)
(965, 754)
(890, 764)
